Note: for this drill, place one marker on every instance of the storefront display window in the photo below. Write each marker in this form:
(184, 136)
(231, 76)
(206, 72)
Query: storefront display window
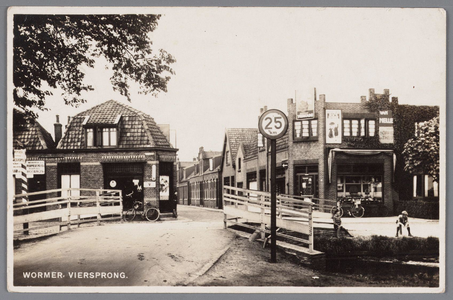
(362, 186)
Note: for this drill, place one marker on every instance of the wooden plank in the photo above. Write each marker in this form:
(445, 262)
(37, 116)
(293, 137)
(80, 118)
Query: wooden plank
(39, 216)
(242, 214)
(89, 210)
(110, 210)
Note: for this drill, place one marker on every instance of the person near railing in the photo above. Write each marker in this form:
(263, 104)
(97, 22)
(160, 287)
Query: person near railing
(336, 217)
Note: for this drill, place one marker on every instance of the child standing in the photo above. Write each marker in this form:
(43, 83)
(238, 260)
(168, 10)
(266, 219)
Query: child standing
(403, 221)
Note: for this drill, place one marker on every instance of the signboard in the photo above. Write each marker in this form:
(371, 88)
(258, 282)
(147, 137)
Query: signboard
(19, 155)
(149, 184)
(164, 187)
(36, 167)
(305, 105)
(273, 124)
(386, 127)
(333, 126)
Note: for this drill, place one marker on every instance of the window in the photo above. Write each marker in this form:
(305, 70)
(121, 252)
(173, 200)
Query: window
(90, 137)
(306, 129)
(227, 158)
(239, 164)
(425, 186)
(359, 127)
(101, 137)
(109, 137)
(360, 186)
(211, 164)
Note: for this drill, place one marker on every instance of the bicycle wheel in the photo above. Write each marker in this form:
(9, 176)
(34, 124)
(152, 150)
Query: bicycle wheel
(152, 214)
(357, 212)
(129, 214)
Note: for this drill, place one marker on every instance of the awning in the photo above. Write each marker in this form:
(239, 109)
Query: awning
(357, 152)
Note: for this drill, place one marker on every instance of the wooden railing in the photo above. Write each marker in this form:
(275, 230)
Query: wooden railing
(249, 207)
(35, 212)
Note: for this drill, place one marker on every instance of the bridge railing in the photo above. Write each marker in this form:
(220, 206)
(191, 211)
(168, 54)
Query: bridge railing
(48, 211)
(248, 208)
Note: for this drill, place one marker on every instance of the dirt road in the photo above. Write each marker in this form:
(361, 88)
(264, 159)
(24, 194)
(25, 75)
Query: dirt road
(166, 253)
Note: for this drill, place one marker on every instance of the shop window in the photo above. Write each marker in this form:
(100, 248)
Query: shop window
(306, 129)
(364, 186)
(69, 176)
(425, 186)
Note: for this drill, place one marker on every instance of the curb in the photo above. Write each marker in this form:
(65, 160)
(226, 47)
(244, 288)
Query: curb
(207, 266)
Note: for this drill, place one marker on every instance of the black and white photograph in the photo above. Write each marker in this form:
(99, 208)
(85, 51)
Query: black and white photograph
(226, 150)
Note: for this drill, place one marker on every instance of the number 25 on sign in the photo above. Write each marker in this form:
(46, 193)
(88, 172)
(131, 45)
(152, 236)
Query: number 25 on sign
(273, 124)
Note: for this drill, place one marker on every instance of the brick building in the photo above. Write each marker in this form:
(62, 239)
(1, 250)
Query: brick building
(113, 146)
(337, 150)
(199, 181)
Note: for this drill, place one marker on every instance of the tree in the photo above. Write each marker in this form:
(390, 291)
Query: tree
(421, 153)
(49, 51)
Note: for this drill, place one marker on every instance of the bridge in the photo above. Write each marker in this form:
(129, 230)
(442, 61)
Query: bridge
(48, 212)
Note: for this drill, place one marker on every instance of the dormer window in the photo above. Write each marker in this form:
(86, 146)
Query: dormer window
(109, 137)
(101, 136)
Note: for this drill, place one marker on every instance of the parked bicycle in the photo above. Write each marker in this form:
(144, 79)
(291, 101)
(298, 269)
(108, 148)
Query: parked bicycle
(353, 208)
(150, 213)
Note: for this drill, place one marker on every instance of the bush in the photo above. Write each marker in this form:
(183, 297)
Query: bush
(377, 246)
(420, 208)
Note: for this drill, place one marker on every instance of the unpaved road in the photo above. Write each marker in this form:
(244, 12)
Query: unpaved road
(165, 253)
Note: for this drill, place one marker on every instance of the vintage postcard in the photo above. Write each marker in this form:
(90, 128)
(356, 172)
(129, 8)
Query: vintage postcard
(226, 150)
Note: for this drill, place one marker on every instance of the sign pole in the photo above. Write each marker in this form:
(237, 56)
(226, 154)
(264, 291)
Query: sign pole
(273, 202)
(273, 124)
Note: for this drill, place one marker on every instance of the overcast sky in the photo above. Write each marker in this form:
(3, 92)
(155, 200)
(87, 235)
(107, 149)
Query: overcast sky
(232, 61)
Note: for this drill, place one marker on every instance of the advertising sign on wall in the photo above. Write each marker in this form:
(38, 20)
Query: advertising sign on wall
(333, 127)
(386, 127)
(164, 187)
(35, 168)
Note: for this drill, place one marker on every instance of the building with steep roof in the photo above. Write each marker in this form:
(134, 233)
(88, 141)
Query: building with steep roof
(113, 146)
(200, 181)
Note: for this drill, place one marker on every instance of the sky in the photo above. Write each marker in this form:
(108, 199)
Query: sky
(233, 61)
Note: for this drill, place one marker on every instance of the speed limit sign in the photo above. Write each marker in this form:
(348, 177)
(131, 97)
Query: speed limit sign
(273, 124)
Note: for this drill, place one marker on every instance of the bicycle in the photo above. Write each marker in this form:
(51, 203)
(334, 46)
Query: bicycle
(356, 209)
(150, 213)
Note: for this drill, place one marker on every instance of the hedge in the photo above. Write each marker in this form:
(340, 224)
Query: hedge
(419, 208)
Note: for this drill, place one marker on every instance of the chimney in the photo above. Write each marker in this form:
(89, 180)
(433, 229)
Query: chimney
(69, 121)
(386, 92)
(362, 99)
(371, 94)
(58, 130)
(395, 100)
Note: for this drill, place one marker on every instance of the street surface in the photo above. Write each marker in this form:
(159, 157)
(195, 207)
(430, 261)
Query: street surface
(171, 252)
(166, 253)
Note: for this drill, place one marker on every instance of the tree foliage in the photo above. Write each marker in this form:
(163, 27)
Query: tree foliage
(421, 153)
(50, 52)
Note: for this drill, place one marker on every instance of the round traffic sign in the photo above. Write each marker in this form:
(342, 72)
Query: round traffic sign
(273, 124)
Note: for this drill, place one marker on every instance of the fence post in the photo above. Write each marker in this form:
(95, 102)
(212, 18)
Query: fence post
(121, 204)
(69, 209)
(98, 207)
(311, 230)
(263, 210)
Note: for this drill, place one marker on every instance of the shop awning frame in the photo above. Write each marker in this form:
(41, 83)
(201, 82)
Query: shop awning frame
(364, 152)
